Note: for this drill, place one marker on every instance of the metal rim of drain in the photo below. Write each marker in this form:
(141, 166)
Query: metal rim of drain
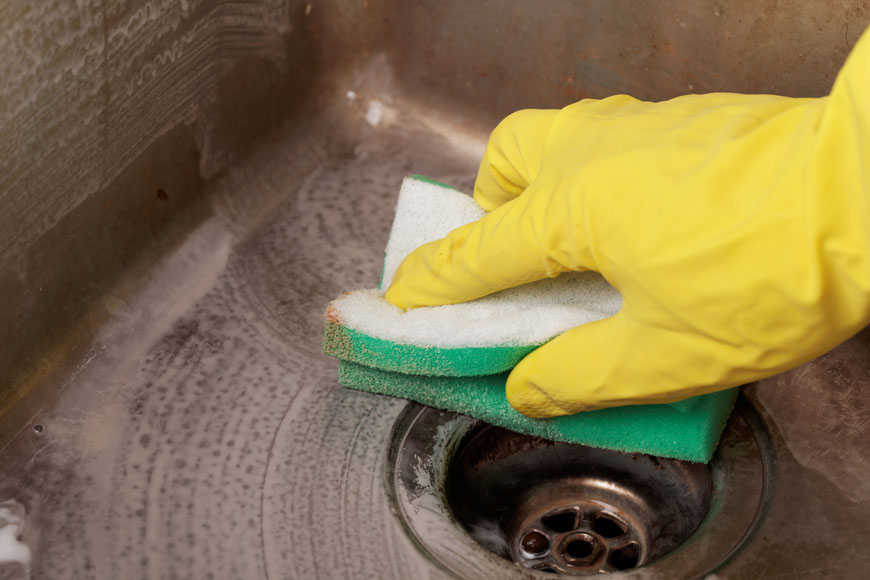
(426, 441)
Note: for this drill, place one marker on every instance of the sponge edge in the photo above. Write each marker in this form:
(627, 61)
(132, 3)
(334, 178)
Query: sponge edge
(687, 430)
(350, 344)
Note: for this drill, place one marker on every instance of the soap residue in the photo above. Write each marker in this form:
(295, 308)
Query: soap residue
(374, 113)
(11, 527)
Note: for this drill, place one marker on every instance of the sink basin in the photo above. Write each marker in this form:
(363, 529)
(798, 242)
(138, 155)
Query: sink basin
(185, 185)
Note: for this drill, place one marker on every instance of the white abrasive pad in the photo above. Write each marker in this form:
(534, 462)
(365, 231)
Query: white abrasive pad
(528, 314)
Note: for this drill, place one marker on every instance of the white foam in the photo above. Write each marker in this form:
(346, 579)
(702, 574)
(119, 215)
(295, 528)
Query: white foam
(11, 524)
(529, 314)
(374, 113)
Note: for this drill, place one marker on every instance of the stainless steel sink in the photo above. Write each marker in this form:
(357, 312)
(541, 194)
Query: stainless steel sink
(185, 185)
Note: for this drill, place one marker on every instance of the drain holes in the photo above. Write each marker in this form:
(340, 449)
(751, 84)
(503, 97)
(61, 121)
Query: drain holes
(608, 527)
(561, 522)
(625, 557)
(535, 544)
(579, 549)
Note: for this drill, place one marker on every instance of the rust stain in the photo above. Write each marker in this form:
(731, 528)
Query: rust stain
(332, 315)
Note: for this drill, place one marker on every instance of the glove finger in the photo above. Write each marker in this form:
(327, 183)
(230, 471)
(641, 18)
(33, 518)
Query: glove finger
(617, 361)
(512, 157)
(530, 238)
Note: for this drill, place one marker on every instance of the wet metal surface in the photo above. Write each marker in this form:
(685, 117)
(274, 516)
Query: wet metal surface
(185, 185)
(204, 435)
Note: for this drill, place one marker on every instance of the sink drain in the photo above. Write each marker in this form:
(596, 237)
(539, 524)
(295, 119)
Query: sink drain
(572, 509)
(584, 536)
(485, 502)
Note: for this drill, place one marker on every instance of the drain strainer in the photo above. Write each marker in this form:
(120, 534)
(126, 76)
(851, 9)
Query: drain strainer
(572, 509)
(488, 503)
(567, 535)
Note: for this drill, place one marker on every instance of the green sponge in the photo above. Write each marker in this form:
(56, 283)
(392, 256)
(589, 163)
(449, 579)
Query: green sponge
(456, 357)
(689, 429)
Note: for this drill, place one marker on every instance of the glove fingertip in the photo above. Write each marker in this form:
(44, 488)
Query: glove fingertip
(529, 399)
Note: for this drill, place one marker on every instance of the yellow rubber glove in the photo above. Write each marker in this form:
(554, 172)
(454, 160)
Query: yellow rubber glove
(736, 227)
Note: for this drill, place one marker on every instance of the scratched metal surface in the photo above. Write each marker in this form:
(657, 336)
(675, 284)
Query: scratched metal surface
(204, 436)
(168, 343)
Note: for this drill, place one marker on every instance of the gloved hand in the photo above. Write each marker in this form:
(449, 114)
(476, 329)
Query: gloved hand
(736, 227)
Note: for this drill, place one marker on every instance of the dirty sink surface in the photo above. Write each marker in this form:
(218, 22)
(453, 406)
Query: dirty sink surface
(202, 434)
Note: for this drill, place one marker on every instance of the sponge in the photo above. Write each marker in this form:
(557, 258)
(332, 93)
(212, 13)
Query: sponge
(456, 357)
(486, 336)
(688, 429)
